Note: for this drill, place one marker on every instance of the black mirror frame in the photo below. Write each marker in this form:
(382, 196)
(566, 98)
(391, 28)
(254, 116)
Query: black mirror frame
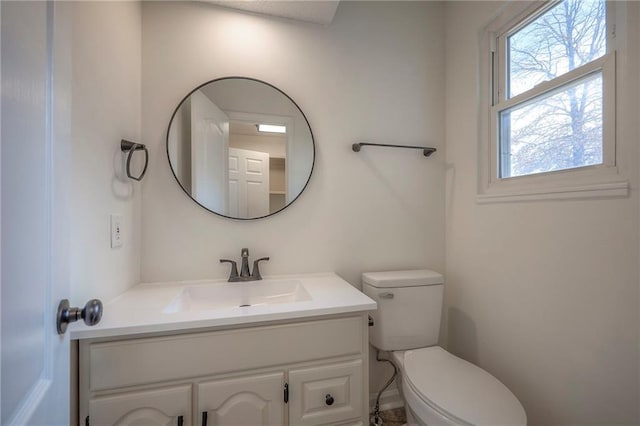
(313, 142)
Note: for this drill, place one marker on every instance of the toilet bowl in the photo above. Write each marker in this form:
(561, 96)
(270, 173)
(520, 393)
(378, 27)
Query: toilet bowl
(442, 389)
(438, 387)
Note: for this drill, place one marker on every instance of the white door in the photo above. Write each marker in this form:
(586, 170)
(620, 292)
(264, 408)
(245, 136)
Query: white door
(241, 401)
(248, 183)
(34, 150)
(209, 145)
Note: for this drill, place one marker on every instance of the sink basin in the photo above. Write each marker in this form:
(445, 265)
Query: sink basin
(241, 294)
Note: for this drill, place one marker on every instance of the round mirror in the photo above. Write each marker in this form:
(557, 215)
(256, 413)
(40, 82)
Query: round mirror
(240, 147)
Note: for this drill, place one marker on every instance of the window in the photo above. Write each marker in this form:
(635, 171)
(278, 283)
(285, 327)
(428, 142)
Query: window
(552, 94)
(560, 129)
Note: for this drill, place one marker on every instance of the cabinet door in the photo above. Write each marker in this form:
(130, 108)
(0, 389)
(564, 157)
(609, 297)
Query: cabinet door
(170, 406)
(326, 393)
(249, 400)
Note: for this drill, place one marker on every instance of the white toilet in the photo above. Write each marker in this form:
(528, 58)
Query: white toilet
(438, 387)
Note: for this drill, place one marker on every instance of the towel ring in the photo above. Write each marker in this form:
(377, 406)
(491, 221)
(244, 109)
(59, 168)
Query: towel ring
(131, 147)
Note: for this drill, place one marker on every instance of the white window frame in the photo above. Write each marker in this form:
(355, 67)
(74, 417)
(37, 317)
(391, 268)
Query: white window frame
(599, 180)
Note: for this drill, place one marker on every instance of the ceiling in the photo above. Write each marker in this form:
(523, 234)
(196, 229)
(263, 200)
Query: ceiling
(318, 12)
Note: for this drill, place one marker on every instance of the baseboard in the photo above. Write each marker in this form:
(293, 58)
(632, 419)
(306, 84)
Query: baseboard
(389, 400)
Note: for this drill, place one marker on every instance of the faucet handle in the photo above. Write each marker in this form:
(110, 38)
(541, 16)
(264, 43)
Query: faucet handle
(244, 252)
(256, 270)
(233, 276)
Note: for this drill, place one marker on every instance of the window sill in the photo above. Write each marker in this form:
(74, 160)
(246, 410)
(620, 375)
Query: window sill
(566, 192)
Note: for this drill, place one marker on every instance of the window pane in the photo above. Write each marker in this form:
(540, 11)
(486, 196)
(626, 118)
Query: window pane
(565, 37)
(556, 131)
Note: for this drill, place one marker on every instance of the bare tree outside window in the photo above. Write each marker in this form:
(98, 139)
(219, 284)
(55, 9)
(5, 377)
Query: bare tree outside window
(561, 129)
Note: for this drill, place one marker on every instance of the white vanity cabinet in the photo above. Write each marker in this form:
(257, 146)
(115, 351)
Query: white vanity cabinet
(250, 400)
(311, 372)
(326, 393)
(168, 406)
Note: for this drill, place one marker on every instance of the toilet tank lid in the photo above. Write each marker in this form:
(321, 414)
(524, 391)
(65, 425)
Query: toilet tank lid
(412, 278)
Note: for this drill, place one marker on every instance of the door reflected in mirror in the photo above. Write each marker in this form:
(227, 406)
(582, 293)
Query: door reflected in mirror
(240, 148)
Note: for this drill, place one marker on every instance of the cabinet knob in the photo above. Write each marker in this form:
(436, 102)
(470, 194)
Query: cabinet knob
(328, 399)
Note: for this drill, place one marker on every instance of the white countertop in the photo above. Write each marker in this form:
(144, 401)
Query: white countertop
(139, 310)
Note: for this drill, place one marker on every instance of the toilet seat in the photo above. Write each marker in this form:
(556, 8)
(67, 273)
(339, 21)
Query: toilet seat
(457, 390)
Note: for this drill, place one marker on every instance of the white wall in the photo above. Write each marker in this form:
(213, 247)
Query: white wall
(376, 73)
(542, 294)
(105, 109)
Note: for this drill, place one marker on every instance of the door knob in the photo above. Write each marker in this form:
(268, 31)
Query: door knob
(91, 314)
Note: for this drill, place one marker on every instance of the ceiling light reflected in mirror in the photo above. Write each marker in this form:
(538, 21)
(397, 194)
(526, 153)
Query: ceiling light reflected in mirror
(272, 128)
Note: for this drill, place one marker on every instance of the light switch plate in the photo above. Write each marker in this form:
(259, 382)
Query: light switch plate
(116, 230)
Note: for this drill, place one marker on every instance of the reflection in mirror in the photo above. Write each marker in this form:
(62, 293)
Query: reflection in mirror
(240, 148)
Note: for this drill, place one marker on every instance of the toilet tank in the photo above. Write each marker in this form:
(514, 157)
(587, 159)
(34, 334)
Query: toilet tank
(409, 308)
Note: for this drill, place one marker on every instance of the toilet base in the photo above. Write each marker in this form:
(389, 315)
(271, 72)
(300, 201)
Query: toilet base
(411, 420)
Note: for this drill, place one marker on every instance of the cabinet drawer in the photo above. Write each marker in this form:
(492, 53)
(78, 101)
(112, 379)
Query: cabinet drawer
(326, 394)
(125, 363)
(170, 406)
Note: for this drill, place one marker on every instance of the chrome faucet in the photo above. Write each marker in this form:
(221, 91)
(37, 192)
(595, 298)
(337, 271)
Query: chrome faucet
(244, 268)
